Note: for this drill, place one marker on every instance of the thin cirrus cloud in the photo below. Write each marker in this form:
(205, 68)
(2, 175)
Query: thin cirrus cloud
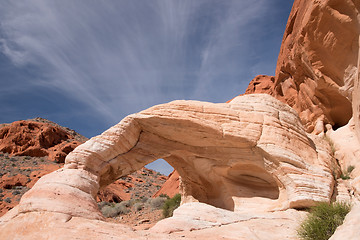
(119, 57)
(98, 61)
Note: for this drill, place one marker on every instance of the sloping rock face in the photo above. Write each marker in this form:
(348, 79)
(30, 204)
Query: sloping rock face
(356, 100)
(191, 221)
(171, 186)
(318, 63)
(202, 221)
(254, 147)
(38, 138)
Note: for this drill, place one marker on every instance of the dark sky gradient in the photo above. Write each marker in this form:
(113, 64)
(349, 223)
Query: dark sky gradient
(87, 64)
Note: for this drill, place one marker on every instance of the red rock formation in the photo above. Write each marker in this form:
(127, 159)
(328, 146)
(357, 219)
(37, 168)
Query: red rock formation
(171, 186)
(115, 192)
(34, 148)
(261, 84)
(318, 63)
(43, 145)
(37, 139)
(10, 182)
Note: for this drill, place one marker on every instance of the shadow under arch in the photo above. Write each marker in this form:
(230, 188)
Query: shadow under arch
(206, 173)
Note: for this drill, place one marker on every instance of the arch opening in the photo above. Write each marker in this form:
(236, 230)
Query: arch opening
(161, 166)
(229, 187)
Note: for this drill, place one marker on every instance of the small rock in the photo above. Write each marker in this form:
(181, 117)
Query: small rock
(143, 221)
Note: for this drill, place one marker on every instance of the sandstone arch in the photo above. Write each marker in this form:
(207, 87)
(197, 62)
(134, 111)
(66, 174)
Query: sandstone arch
(250, 153)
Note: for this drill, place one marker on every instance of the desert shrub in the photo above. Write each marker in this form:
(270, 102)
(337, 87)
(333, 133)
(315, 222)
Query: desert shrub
(102, 204)
(345, 176)
(157, 203)
(121, 208)
(323, 220)
(346, 173)
(331, 144)
(143, 199)
(163, 195)
(16, 192)
(350, 168)
(109, 211)
(170, 205)
(138, 206)
(126, 203)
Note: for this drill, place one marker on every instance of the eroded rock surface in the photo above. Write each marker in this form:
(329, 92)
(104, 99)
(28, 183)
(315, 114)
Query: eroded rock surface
(202, 221)
(254, 147)
(318, 63)
(38, 138)
(171, 186)
(190, 221)
(253, 154)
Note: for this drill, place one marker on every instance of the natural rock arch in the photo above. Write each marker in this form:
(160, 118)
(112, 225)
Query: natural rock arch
(250, 153)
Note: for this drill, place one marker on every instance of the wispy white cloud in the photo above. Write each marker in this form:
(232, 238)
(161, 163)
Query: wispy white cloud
(123, 56)
(227, 52)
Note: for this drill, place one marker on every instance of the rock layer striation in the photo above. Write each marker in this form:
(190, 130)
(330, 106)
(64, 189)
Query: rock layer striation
(254, 147)
(318, 63)
(251, 153)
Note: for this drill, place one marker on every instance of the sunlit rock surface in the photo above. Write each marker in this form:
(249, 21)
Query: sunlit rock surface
(251, 154)
(243, 165)
(318, 63)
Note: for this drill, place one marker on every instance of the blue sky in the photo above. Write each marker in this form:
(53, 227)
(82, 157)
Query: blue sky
(87, 64)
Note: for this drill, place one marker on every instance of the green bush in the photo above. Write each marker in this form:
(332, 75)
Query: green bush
(346, 173)
(170, 205)
(323, 220)
(163, 195)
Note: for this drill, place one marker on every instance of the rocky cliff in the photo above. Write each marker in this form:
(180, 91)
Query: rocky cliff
(318, 63)
(247, 167)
